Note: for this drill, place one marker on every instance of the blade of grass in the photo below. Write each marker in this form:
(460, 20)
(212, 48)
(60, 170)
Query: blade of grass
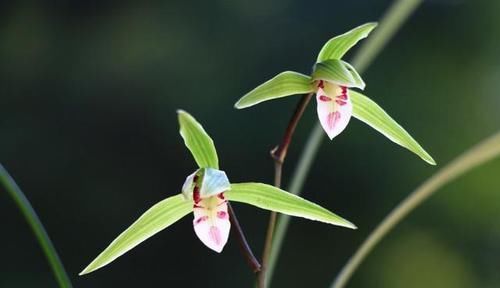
(481, 153)
(36, 226)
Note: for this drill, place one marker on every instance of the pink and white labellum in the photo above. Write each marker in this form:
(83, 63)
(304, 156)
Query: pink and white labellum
(334, 107)
(211, 220)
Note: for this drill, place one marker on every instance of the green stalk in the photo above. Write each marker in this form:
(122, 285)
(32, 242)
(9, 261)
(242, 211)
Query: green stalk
(481, 153)
(393, 19)
(36, 226)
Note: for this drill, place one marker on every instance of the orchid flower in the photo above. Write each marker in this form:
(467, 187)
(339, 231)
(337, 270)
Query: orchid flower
(331, 81)
(206, 193)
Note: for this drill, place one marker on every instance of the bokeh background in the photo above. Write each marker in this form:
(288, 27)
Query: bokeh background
(88, 94)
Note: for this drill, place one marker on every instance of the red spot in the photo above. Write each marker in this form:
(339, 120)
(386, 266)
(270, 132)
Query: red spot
(222, 215)
(201, 219)
(196, 195)
(221, 196)
(344, 89)
(324, 98)
(340, 102)
(332, 119)
(342, 96)
(321, 84)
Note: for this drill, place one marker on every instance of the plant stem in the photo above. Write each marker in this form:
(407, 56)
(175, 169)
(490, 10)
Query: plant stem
(36, 226)
(279, 155)
(390, 23)
(481, 153)
(243, 243)
(296, 185)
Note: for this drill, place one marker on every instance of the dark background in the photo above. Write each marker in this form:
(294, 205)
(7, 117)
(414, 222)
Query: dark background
(88, 93)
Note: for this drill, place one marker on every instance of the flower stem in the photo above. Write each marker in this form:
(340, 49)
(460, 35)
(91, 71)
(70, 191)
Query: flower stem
(36, 226)
(481, 153)
(392, 20)
(243, 243)
(279, 155)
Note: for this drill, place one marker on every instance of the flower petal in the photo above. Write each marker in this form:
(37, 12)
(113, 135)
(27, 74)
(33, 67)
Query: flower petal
(334, 107)
(211, 222)
(214, 182)
(188, 186)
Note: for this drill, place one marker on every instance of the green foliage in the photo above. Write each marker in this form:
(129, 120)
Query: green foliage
(338, 72)
(369, 112)
(198, 141)
(336, 47)
(274, 199)
(157, 218)
(284, 84)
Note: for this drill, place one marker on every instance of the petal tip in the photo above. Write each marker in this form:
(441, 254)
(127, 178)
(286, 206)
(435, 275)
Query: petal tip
(238, 105)
(217, 249)
(85, 271)
(330, 135)
(349, 225)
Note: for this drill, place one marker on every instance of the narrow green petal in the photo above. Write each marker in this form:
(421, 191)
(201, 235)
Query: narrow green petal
(338, 72)
(336, 47)
(157, 218)
(197, 141)
(284, 84)
(274, 199)
(369, 112)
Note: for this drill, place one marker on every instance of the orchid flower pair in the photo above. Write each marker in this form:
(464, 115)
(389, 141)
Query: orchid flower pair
(206, 193)
(331, 81)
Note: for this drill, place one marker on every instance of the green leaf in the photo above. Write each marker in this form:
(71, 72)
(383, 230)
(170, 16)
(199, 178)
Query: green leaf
(157, 218)
(338, 72)
(284, 84)
(271, 198)
(336, 47)
(369, 112)
(197, 141)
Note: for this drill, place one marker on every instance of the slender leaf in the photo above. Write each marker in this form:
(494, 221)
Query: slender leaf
(338, 72)
(284, 84)
(336, 47)
(369, 112)
(198, 141)
(157, 218)
(271, 198)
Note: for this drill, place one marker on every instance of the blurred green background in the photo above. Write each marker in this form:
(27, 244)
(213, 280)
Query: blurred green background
(88, 93)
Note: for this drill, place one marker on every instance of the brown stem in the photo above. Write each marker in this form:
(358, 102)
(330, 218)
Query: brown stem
(243, 243)
(279, 155)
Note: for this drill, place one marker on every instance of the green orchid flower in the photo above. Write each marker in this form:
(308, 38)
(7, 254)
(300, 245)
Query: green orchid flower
(206, 193)
(332, 82)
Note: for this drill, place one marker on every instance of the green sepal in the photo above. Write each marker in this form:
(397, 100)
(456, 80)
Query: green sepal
(285, 84)
(157, 218)
(197, 141)
(336, 47)
(372, 114)
(274, 199)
